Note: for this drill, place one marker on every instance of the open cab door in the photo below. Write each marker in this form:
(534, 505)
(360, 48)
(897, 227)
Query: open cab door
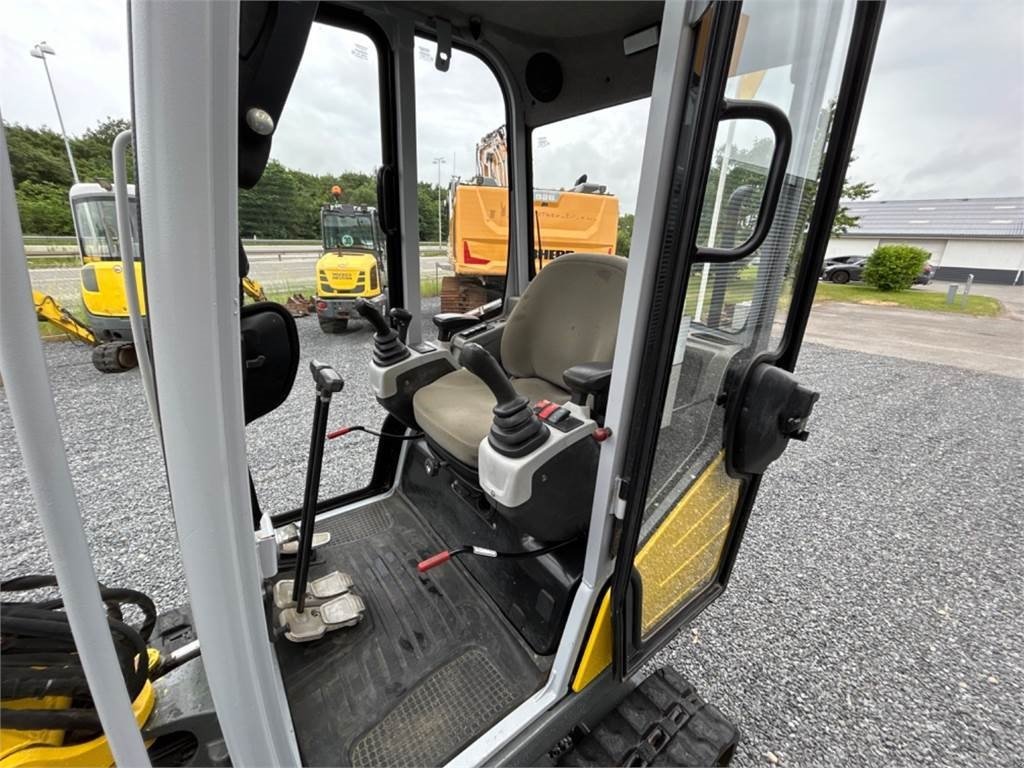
(757, 114)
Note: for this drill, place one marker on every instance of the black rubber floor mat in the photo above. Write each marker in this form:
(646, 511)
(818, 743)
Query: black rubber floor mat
(447, 706)
(431, 665)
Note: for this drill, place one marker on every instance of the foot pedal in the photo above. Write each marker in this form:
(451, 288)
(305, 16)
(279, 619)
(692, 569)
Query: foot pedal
(318, 591)
(316, 621)
(663, 722)
(288, 539)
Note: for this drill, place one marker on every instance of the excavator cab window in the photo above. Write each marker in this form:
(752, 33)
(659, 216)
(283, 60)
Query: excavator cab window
(463, 161)
(348, 231)
(96, 224)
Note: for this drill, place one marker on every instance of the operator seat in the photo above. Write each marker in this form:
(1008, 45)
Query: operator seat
(568, 315)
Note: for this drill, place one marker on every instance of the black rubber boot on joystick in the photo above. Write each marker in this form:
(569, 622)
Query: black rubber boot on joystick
(516, 430)
(388, 348)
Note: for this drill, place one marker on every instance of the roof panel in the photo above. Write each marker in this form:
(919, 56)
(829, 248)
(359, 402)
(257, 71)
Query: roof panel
(965, 217)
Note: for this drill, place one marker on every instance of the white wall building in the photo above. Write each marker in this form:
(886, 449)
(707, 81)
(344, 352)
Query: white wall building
(983, 236)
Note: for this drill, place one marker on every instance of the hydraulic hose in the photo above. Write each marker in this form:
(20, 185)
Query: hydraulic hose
(39, 657)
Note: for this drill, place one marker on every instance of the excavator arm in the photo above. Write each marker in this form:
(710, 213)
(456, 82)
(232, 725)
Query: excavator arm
(49, 310)
(107, 357)
(253, 289)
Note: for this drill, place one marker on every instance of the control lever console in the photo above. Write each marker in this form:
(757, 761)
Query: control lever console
(516, 430)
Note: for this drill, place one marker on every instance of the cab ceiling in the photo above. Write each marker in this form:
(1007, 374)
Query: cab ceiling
(585, 37)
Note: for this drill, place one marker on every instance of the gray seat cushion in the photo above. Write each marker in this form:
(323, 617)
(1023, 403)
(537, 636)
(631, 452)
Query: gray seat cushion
(455, 411)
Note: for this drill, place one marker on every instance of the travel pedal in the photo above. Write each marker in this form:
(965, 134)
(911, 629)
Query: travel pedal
(288, 539)
(317, 591)
(313, 623)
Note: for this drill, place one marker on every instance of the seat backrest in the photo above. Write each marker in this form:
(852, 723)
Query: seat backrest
(568, 315)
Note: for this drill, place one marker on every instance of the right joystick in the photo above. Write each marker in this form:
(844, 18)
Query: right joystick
(388, 348)
(516, 430)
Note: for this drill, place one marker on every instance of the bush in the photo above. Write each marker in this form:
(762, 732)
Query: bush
(894, 267)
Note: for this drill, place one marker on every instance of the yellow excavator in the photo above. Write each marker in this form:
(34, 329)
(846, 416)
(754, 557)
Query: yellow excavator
(583, 219)
(352, 265)
(106, 326)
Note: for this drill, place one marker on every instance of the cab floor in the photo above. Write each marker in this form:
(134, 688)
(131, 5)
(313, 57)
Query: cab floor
(431, 665)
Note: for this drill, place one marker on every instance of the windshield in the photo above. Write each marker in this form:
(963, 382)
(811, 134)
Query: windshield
(96, 227)
(348, 231)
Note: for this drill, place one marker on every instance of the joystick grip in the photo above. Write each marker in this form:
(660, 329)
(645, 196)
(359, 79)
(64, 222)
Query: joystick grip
(515, 428)
(388, 348)
(482, 364)
(373, 316)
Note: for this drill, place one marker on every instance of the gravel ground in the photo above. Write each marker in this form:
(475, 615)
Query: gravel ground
(875, 612)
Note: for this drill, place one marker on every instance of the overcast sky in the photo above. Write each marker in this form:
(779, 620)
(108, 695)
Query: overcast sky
(943, 116)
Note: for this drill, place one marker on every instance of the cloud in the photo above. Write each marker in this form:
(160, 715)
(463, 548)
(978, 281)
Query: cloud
(942, 117)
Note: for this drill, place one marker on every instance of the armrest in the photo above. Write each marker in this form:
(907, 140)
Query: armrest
(450, 323)
(588, 379)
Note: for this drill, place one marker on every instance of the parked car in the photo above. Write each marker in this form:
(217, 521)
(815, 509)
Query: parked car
(831, 261)
(852, 271)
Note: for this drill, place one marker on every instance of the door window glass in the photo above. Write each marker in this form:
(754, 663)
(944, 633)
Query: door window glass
(788, 54)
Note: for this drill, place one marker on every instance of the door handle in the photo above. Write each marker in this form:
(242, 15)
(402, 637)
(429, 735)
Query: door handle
(775, 119)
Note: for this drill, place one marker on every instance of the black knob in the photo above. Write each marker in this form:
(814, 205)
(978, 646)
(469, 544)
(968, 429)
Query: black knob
(388, 348)
(516, 430)
(400, 319)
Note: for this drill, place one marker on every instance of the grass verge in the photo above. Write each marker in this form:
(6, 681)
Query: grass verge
(42, 262)
(929, 301)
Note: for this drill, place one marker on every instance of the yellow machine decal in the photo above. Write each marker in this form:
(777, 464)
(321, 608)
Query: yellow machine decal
(103, 289)
(40, 749)
(678, 560)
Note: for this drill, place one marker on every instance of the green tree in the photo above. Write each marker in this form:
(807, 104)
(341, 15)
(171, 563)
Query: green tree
(44, 208)
(625, 234)
(894, 267)
(852, 190)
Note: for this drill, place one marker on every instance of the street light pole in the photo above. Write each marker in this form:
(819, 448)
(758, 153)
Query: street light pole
(40, 51)
(439, 161)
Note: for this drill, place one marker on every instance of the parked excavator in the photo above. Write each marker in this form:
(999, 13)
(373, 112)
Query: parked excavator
(582, 219)
(106, 327)
(353, 263)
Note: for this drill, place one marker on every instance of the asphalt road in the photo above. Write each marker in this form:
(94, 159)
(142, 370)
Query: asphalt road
(277, 268)
(875, 614)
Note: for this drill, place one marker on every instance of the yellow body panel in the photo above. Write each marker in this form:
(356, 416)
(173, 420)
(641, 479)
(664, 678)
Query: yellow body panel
(348, 274)
(109, 300)
(597, 653)
(682, 554)
(678, 560)
(12, 741)
(18, 749)
(563, 222)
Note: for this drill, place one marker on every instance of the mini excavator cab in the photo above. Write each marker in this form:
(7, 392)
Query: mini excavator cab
(562, 477)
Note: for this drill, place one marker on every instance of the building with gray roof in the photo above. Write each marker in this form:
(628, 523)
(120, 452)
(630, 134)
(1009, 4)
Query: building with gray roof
(980, 236)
